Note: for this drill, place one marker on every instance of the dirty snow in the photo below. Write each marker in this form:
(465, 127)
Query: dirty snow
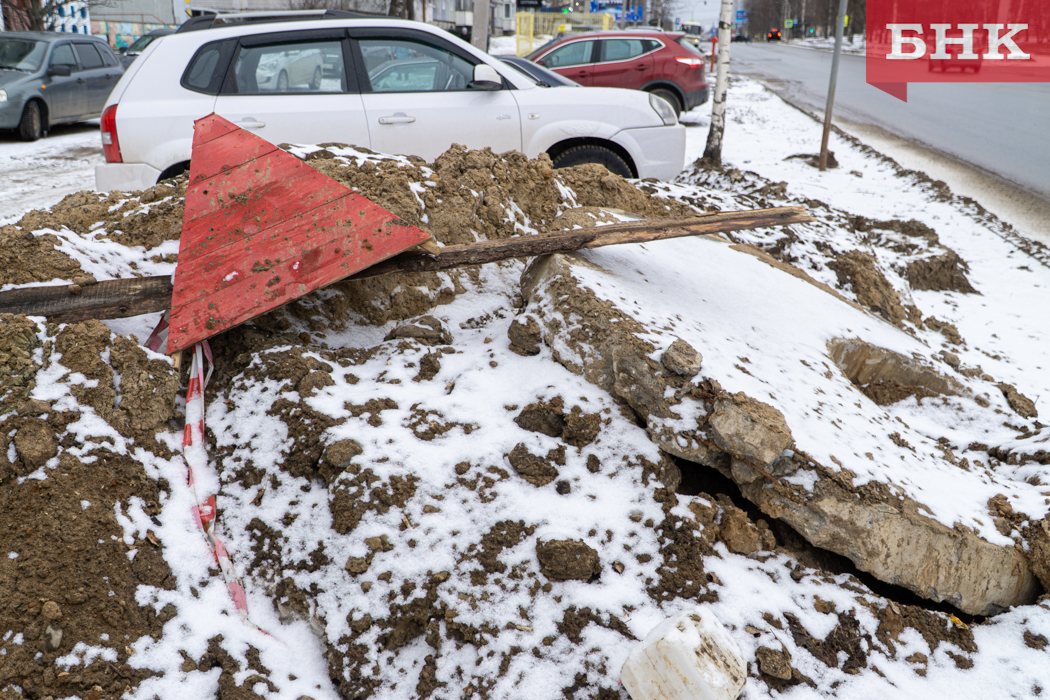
(729, 306)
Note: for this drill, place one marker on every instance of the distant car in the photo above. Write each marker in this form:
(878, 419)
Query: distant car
(741, 37)
(773, 35)
(139, 45)
(662, 63)
(49, 78)
(542, 76)
(398, 87)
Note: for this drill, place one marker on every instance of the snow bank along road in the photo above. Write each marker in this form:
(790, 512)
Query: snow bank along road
(989, 125)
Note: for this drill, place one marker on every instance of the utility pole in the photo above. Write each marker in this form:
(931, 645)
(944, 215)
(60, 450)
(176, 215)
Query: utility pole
(479, 33)
(713, 151)
(839, 22)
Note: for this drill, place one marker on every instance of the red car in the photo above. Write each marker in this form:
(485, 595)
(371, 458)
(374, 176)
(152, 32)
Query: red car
(662, 63)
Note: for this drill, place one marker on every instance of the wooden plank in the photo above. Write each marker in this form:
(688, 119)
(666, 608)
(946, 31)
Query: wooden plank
(120, 298)
(108, 299)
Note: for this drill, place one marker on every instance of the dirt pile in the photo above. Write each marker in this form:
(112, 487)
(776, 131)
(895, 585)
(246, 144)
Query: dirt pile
(70, 572)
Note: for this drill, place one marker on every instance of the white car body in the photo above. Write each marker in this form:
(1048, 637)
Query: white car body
(155, 112)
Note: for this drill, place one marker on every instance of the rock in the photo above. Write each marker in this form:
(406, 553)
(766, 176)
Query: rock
(568, 560)
(52, 637)
(34, 407)
(544, 418)
(337, 458)
(774, 663)
(36, 443)
(884, 534)
(535, 470)
(51, 611)
(865, 364)
(738, 533)
(581, 428)
(749, 429)
(681, 358)
(313, 381)
(379, 544)
(525, 336)
(1019, 403)
(687, 657)
(426, 329)
(893, 540)
(357, 565)
(1039, 551)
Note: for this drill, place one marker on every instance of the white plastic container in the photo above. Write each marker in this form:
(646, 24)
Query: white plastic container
(687, 657)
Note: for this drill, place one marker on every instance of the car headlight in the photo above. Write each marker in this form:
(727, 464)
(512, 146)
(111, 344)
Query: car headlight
(3, 95)
(268, 66)
(663, 109)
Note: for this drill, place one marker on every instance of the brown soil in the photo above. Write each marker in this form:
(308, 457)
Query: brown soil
(869, 284)
(72, 580)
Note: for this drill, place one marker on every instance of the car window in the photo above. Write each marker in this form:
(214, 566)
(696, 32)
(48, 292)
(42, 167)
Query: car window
(207, 68)
(404, 65)
(572, 54)
(107, 55)
(63, 56)
(89, 56)
(621, 49)
(293, 67)
(141, 43)
(20, 54)
(690, 47)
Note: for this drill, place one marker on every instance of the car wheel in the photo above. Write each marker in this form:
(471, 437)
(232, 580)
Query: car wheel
(580, 155)
(282, 82)
(32, 125)
(672, 99)
(315, 84)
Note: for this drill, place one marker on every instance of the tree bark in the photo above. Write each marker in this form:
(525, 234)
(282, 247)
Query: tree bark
(713, 151)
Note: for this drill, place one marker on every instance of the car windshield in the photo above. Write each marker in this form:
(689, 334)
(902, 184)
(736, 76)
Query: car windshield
(693, 29)
(140, 44)
(21, 54)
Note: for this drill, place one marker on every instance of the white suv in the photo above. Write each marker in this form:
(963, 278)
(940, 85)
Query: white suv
(391, 85)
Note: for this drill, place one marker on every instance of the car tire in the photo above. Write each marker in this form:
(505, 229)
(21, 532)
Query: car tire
(581, 155)
(671, 98)
(282, 82)
(315, 84)
(31, 127)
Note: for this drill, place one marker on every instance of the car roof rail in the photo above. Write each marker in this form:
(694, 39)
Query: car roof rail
(212, 18)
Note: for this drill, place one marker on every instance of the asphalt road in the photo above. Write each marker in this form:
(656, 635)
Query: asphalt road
(999, 127)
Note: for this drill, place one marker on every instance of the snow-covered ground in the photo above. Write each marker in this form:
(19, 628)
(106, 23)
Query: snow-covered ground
(760, 331)
(38, 174)
(856, 47)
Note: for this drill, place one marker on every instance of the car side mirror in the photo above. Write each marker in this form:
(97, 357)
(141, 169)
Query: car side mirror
(122, 50)
(60, 69)
(486, 78)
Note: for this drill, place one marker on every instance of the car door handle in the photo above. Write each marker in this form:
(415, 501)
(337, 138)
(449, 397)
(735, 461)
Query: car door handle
(251, 124)
(397, 119)
(81, 81)
(642, 67)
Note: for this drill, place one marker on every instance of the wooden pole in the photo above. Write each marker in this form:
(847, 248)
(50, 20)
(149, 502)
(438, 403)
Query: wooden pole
(831, 87)
(123, 298)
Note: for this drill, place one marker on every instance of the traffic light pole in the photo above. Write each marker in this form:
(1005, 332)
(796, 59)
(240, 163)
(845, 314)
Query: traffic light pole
(839, 26)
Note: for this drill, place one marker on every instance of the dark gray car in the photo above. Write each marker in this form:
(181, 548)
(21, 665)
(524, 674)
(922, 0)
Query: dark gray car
(49, 78)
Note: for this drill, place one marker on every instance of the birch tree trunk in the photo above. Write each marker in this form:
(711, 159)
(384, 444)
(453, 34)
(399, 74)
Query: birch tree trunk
(713, 152)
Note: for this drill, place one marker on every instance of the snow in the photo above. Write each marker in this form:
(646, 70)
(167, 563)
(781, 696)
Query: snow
(761, 332)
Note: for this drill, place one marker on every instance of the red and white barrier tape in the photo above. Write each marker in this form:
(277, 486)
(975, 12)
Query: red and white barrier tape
(202, 479)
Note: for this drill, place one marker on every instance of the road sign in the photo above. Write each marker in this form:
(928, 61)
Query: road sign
(789, 23)
(741, 15)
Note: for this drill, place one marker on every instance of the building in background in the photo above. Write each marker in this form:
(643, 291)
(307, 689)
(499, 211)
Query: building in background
(71, 17)
(124, 21)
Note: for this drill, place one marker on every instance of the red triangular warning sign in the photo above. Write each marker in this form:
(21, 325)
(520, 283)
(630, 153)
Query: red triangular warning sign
(262, 228)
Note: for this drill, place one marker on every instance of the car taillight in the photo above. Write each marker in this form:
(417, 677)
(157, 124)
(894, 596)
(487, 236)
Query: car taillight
(110, 145)
(691, 62)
